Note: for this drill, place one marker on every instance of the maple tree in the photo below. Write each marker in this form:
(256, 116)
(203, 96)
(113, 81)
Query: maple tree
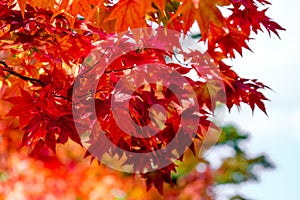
(49, 50)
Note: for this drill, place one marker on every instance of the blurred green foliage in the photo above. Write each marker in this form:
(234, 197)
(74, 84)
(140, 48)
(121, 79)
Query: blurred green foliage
(237, 168)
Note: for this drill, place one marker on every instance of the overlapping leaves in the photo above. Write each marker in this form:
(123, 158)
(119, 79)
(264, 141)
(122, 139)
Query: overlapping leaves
(43, 44)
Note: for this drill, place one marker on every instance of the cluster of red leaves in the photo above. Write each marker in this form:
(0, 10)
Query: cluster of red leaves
(44, 44)
(139, 107)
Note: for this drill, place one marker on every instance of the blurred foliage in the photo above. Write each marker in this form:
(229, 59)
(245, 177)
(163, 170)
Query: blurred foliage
(240, 167)
(237, 197)
(235, 169)
(67, 176)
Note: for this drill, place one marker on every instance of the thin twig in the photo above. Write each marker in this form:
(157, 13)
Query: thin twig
(25, 78)
(94, 65)
(119, 70)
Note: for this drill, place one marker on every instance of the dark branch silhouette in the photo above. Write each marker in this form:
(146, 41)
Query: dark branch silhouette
(25, 78)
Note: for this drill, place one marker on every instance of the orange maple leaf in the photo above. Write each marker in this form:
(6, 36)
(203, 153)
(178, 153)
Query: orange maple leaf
(128, 13)
(202, 11)
(22, 5)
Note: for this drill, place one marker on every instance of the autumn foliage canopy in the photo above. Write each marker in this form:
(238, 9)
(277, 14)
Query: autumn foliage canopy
(49, 50)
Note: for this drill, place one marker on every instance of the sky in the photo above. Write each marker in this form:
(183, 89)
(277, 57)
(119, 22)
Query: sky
(276, 63)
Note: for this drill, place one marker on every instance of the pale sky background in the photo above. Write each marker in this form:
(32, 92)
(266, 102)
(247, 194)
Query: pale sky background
(275, 63)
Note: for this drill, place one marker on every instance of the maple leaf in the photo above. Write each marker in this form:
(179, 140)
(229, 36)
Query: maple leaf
(205, 12)
(45, 43)
(270, 25)
(85, 9)
(22, 5)
(128, 13)
(243, 90)
(251, 18)
(20, 102)
(189, 15)
(227, 40)
(157, 178)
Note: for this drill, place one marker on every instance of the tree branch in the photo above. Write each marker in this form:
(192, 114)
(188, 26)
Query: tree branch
(25, 78)
(119, 70)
